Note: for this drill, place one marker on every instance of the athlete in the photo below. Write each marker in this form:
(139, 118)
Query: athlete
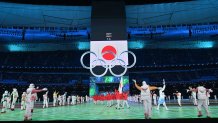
(202, 99)
(178, 95)
(161, 99)
(146, 97)
(4, 101)
(29, 99)
(14, 97)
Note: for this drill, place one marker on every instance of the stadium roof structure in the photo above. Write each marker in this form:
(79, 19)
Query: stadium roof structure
(47, 22)
(142, 14)
(87, 2)
(13, 14)
(189, 12)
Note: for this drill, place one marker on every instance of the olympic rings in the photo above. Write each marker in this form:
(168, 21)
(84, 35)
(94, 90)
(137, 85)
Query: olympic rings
(110, 66)
(106, 69)
(81, 59)
(100, 61)
(133, 57)
(113, 66)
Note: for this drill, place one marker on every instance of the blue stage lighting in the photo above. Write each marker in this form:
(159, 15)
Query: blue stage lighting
(136, 44)
(205, 44)
(14, 47)
(83, 45)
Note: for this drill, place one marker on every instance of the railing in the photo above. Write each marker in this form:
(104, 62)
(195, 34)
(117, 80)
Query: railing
(211, 28)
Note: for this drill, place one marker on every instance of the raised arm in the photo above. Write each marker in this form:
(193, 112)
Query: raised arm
(187, 90)
(192, 89)
(136, 85)
(209, 90)
(164, 85)
(153, 88)
(38, 90)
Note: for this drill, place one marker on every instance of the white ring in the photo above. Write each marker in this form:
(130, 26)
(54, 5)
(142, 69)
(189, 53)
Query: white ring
(81, 58)
(106, 68)
(125, 66)
(100, 65)
(119, 75)
(100, 74)
(133, 57)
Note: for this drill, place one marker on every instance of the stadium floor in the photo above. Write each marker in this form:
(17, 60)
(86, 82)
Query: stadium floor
(90, 111)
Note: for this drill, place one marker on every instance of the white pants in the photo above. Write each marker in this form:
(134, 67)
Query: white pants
(8, 104)
(147, 103)
(73, 102)
(118, 104)
(4, 106)
(45, 103)
(32, 104)
(203, 102)
(155, 101)
(77, 101)
(29, 110)
(54, 101)
(68, 102)
(135, 99)
(109, 103)
(13, 103)
(23, 105)
(60, 102)
(195, 101)
(161, 101)
(64, 101)
(95, 102)
(179, 101)
(125, 102)
(208, 101)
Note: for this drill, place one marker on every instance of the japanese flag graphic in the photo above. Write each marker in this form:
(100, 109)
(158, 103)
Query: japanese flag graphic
(108, 52)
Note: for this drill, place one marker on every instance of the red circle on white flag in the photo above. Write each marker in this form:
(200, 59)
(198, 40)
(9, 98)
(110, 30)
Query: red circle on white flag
(107, 52)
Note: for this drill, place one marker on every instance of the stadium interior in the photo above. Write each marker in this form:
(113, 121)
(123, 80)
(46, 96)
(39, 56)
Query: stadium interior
(41, 42)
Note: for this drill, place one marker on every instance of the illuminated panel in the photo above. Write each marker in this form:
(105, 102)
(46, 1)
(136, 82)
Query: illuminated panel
(107, 79)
